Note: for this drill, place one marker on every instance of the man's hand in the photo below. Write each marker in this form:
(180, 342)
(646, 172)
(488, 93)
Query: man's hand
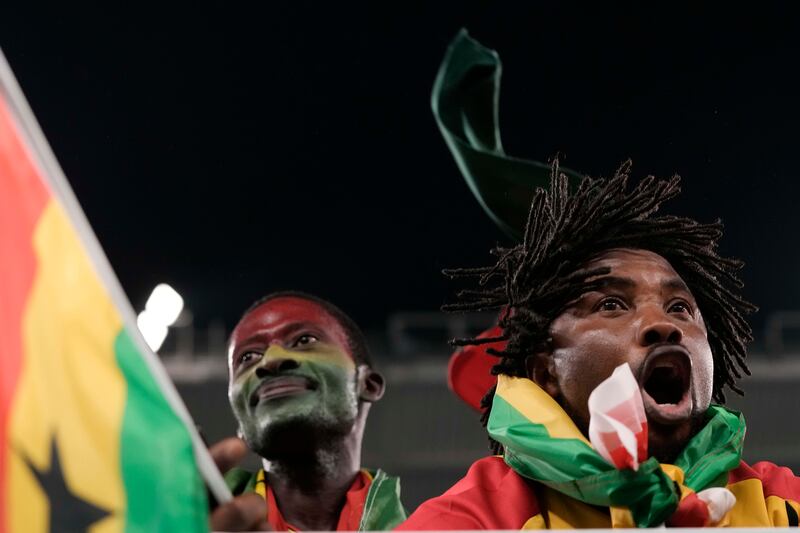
(247, 512)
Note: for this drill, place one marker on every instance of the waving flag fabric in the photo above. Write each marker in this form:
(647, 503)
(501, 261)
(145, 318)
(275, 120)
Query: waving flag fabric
(466, 104)
(92, 434)
(617, 423)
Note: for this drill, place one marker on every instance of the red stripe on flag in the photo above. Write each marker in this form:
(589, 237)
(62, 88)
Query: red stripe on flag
(23, 196)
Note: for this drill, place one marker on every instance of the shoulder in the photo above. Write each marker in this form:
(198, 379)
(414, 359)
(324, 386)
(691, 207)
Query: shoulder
(776, 480)
(490, 496)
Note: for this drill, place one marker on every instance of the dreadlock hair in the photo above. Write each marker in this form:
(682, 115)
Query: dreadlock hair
(534, 281)
(357, 341)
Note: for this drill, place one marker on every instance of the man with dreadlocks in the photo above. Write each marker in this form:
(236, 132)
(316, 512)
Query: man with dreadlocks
(600, 281)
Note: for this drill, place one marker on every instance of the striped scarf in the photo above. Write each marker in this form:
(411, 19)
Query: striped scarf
(542, 443)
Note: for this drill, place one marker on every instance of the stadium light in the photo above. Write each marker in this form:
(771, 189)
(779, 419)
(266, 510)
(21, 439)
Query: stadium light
(165, 304)
(161, 311)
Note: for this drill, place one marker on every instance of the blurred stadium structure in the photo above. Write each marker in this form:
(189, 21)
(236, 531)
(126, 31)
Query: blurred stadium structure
(423, 433)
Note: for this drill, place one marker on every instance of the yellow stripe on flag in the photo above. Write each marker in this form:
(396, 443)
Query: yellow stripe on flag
(70, 388)
(537, 406)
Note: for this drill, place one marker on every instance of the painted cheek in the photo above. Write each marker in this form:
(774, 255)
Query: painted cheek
(236, 393)
(336, 381)
(331, 372)
(242, 387)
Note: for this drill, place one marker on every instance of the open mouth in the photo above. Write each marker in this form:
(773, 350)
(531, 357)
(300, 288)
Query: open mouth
(281, 387)
(665, 383)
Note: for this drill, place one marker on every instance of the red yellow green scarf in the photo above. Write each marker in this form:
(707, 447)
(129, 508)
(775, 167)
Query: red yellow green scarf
(543, 444)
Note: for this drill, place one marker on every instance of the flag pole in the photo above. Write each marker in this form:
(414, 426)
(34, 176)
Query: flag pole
(51, 171)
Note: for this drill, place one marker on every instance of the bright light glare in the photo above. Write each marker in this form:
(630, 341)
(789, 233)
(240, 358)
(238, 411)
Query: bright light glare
(164, 304)
(153, 330)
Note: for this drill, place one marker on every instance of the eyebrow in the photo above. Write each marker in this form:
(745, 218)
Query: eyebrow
(675, 284)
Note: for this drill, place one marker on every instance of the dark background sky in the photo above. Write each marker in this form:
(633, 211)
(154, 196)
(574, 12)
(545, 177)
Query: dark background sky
(231, 152)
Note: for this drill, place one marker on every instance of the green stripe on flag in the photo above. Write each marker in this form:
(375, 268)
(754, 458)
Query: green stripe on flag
(514, 430)
(163, 486)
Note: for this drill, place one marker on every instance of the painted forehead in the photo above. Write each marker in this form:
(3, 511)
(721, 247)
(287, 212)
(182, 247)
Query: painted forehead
(287, 315)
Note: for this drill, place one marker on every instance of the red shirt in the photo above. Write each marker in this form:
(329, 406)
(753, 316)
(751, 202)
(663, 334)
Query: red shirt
(349, 518)
(493, 496)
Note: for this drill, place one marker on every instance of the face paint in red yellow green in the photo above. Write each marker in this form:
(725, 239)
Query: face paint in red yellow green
(290, 365)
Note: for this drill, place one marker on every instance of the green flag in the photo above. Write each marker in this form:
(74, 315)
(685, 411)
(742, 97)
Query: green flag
(465, 103)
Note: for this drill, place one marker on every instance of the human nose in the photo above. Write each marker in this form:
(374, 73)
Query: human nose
(274, 362)
(656, 327)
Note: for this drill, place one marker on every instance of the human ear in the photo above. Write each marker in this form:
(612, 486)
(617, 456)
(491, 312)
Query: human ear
(541, 369)
(371, 384)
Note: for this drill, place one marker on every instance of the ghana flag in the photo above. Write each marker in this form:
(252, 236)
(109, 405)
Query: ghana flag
(92, 433)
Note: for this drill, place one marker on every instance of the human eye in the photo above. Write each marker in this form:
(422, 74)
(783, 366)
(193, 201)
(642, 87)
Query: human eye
(248, 358)
(680, 307)
(305, 340)
(610, 304)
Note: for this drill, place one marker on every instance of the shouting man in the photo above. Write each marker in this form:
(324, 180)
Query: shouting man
(301, 384)
(599, 282)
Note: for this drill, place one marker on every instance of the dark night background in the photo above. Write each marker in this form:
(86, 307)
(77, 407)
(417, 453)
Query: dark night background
(232, 152)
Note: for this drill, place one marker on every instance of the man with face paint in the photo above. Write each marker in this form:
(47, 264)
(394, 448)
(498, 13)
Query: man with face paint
(599, 282)
(301, 384)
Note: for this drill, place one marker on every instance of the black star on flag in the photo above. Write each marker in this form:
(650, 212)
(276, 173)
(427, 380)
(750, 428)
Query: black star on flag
(68, 512)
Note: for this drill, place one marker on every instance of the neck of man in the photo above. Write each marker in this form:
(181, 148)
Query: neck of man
(310, 488)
